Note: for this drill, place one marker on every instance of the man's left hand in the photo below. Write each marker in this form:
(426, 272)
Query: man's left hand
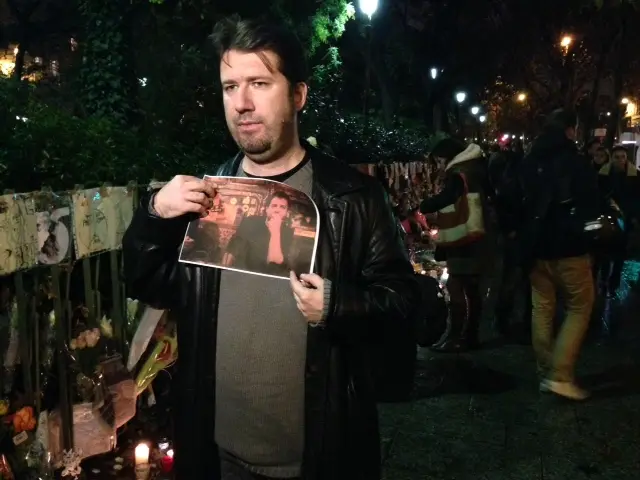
(309, 294)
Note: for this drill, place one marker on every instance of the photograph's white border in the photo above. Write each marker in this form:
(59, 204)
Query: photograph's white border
(288, 187)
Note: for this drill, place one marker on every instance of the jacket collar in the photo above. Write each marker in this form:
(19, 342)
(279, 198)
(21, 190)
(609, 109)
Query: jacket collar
(607, 168)
(331, 175)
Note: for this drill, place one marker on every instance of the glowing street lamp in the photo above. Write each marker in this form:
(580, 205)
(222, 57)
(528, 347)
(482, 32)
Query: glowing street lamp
(566, 41)
(434, 73)
(625, 101)
(482, 118)
(522, 97)
(368, 7)
(461, 97)
(475, 110)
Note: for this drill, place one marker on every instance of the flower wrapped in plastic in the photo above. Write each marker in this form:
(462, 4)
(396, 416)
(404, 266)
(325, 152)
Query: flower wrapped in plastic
(24, 455)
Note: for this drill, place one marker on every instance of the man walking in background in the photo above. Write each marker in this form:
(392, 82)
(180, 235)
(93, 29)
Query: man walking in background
(561, 193)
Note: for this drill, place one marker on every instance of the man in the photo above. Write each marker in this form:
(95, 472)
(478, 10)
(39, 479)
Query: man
(262, 394)
(590, 149)
(504, 168)
(561, 194)
(465, 170)
(600, 158)
(618, 181)
(262, 244)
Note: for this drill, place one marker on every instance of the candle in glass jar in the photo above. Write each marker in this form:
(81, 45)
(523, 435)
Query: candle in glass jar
(142, 454)
(167, 461)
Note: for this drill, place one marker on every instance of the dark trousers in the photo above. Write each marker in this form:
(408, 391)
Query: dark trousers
(232, 471)
(465, 306)
(608, 265)
(514, 284)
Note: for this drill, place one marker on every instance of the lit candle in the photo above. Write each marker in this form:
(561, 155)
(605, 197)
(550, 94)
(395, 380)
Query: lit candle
(167, 461)
(142, 454)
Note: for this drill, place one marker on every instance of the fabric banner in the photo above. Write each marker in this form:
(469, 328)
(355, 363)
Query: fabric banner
(120, 211)
(90, 224)
(18, 232)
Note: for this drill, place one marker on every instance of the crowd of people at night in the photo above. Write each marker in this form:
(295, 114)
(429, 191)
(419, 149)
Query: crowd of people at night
(559, 218)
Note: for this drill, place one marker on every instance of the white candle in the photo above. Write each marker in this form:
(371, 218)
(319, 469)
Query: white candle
(142, 454)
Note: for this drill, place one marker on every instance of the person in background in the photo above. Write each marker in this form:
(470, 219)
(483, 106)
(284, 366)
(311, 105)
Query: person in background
(559, 190)
(466, 264)
(504, 175)
(619, 182)
(600, 157)
(591, 147)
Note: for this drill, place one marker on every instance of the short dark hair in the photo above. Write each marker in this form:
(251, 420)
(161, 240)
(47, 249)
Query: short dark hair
(620, 148)
(256, 35)
(278, 194)
(448, 148)
(592, 142)
(560, 120)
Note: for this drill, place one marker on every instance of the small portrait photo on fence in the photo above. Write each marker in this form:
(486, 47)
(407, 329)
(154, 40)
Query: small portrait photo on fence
(54, 239)
(256, 226)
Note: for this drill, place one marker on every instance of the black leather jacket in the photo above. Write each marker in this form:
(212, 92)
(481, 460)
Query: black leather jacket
(373, 293)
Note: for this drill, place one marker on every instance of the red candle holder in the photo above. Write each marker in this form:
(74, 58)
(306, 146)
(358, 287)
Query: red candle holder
(167, 462)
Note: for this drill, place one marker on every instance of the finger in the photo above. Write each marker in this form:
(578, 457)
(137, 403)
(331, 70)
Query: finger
(197, 197)
(193, 207)
(199, 185)
(296, 285)
(314, 280)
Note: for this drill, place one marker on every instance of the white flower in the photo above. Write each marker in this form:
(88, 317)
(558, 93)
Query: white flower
(132, 308)
(106, 327)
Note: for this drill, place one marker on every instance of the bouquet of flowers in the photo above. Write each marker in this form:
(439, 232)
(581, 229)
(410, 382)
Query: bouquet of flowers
(24, 456)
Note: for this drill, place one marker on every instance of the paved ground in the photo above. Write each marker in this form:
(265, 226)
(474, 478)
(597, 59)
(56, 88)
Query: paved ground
(480, 416)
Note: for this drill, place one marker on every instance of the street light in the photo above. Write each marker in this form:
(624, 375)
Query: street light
(475, 110)
(368, 7)
(522, 97)
(434, 73)
(461, 97)
(625, 101)
(566, 41)
(482, 118)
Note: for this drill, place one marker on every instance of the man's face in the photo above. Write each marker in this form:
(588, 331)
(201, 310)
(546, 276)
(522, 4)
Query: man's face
(620, 159)
(593, 150)
(260, 106)
(278, 208)
(600, 157)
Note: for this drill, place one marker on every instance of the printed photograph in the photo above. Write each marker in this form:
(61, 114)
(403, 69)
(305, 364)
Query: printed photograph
(53, 236)
(256, 226)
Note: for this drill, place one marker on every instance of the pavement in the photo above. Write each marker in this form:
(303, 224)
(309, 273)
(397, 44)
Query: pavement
(481, 416)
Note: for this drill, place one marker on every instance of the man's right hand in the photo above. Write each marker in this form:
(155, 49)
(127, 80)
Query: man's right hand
(182, 195)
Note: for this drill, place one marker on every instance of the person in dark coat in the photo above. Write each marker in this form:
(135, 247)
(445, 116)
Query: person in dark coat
(275, 377)
(560, 196)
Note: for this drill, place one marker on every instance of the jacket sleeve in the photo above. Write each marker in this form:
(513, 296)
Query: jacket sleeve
(150, 250)
(452, 191)
(386, 292)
